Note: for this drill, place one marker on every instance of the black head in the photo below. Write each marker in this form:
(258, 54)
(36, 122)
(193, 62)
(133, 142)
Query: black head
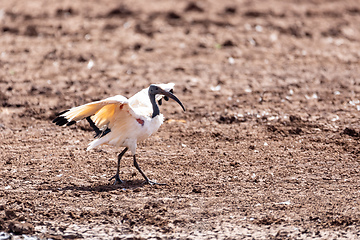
(154, 89)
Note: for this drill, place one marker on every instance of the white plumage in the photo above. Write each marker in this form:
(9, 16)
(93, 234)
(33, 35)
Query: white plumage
(122, 122)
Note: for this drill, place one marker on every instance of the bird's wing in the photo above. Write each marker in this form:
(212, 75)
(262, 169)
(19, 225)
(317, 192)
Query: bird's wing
(102, 113)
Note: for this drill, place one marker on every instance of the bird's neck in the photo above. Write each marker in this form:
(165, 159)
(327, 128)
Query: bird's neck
(156, 110)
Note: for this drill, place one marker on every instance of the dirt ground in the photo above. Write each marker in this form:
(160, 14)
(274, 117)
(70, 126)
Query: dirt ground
(267, 149)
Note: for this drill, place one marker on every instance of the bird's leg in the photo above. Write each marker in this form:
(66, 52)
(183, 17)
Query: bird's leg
(116, 176)
(147, 180)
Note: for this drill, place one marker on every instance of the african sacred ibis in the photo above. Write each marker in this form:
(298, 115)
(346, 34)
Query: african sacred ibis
(122, 122)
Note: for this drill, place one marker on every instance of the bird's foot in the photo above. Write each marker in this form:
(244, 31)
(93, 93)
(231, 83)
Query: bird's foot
(153, 183)
(117, 179)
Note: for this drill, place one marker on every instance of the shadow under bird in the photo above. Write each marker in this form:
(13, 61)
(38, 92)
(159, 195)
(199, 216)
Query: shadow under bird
(123, 122)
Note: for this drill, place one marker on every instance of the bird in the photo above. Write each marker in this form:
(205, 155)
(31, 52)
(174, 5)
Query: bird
(123, 122)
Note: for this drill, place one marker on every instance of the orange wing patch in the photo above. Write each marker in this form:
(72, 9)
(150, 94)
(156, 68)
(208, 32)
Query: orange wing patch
(103, 116)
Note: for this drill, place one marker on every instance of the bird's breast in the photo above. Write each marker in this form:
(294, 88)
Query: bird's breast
(149, 126)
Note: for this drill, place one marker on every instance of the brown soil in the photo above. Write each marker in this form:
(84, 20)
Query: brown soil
(268, 146)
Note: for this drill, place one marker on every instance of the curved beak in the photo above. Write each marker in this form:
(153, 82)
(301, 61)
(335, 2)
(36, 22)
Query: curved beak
(170, 95)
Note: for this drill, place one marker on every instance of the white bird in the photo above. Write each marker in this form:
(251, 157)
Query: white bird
(123, 122)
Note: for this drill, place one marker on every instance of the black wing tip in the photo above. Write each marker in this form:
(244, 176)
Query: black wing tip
(70, 123)
(60, 121)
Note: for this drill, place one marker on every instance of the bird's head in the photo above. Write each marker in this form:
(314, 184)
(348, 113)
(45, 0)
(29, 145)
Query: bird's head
(155, 89)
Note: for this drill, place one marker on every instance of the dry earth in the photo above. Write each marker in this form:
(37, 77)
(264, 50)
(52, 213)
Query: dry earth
(267, 149)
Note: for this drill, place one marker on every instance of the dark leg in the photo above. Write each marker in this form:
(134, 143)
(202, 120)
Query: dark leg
(147, 180)
(116, 177)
